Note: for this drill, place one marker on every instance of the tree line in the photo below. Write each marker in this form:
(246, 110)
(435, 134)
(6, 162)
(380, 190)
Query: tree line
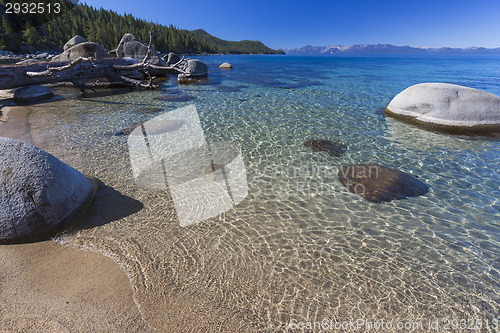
(24, 32)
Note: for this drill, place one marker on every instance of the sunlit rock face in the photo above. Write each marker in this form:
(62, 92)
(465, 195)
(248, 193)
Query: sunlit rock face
(74, 41)
(85, 50)
(132, 47)
(39, 194)
(448, 107)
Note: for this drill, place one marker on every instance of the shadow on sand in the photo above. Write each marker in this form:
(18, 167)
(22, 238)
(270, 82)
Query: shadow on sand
(108, 205)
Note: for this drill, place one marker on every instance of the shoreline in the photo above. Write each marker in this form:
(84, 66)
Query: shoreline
(61, 286)
(49, 286)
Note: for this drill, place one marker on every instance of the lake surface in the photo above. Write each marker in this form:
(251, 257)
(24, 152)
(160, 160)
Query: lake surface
(299, 247)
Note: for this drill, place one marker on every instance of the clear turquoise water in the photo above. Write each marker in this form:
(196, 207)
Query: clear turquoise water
(300, 246)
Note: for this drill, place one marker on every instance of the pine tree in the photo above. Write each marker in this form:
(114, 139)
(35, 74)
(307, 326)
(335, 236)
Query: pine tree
(31, 35)
(7, 26)
(107, 28)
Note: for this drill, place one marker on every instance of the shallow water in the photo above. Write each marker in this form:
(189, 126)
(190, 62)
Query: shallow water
(300, 247)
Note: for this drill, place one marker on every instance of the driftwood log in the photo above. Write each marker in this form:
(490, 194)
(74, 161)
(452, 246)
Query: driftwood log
(82, 69)
(78, 72)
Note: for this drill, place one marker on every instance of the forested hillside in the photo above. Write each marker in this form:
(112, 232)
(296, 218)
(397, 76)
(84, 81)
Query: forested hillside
(28, 32)
(224, 46)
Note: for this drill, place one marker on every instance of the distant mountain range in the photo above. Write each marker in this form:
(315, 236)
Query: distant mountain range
(385, 49)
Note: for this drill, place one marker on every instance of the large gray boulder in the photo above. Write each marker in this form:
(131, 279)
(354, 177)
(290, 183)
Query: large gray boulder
(30, 94)
(195, 71)
(120, 50)
(172, 58)
(195, 67)
(86, 49)
(447, 106)
(74, 41)
(39, 194)
(132, 47)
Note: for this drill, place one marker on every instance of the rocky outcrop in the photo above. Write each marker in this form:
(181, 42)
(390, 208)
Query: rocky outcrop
(39, 194)
(120, 50)
(447, 106)
(30, 94)
(377, 183)
(74, 41)
(86, 49)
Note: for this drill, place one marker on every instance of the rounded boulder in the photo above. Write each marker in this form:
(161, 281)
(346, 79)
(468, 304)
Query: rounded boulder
(447, 106)
(86, 50)
(30, 94)
(132, 47)
(39, 194)
(225, 65)
(74, 41)
(172, 58)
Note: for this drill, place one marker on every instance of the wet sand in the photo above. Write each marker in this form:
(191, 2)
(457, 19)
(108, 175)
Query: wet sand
(47, 287)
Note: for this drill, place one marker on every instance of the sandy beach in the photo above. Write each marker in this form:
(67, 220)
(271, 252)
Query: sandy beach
(47, 287)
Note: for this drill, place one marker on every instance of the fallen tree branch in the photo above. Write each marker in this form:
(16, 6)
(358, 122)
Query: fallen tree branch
(149, 45)
(139, 83)
(145, 66)
(82, 85)
(77, 71)
(51, 70)
(12, 76)
(178, 63)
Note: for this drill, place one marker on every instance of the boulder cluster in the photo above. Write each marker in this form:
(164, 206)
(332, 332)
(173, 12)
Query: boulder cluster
(131, 47)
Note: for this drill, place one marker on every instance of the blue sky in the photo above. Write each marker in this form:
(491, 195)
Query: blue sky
(291, 23)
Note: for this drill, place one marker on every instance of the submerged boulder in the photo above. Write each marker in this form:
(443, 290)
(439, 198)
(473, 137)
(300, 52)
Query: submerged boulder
(447, 106)
(186, 79)
(86, 49)
(174, 98)
(30, 94)
(377, 183)
(333, 148)
(74, 41)
(39, 194)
